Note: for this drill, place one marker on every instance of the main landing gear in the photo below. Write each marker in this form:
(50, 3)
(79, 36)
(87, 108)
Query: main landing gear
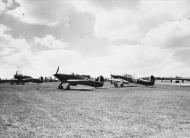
(60, 86)
(66, 88)
(117, 84)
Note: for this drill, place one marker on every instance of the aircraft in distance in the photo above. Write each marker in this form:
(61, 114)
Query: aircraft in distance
(118, 79)
(22, 79)
(74, 79)
(171, 79)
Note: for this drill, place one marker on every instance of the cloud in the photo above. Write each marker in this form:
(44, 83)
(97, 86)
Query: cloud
(183, 56)
(173, 35)
(18, 52)
(127, 59)
(95, 37)
(109, 4)
(174, 38)
(2, 6)
(47, 12)
(8, 44)
(123, 23)
(47, 43)
(13, 51)
(79, 33)
(11, 4)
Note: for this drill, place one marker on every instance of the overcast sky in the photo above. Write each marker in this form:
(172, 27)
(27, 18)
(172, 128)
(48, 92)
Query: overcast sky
(140, 37)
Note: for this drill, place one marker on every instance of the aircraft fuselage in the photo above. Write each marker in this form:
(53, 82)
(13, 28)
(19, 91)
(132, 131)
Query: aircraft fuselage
(133, 80)
(73, 80)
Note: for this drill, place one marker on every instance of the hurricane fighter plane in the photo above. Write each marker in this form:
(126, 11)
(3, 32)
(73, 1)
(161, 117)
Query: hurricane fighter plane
(22, 79)
(74, 80)
(119, 80)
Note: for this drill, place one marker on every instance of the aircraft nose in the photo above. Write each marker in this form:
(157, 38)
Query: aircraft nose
(56, 75)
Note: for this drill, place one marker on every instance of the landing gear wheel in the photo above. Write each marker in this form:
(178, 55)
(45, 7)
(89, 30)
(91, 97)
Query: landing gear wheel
(121, 85)
(60, 86)
(116, 84)
(68, 87)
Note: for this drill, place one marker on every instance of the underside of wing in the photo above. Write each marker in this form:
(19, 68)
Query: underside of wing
(34, 80)
(85, 82)
(13, 79)
(119, 80)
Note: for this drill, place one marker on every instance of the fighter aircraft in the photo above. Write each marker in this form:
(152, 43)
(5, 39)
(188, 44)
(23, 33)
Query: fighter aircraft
(22, 79)
(74, 79)
(129, 79)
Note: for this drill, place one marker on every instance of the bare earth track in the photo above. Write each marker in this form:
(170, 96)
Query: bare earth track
(45, 111)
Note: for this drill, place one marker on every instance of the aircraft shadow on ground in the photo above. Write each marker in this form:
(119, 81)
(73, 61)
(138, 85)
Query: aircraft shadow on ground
(82, 89)
(78, 90)
(151, 87)
(124, 86)
(100, 88)
(130, 86)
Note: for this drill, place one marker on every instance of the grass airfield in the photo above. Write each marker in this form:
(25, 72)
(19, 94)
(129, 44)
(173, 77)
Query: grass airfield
(42, 110)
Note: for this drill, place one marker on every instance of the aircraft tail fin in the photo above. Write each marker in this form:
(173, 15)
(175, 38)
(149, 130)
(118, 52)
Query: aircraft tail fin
(152, 78)
(41, 78)
(100, 79)
(15, 75)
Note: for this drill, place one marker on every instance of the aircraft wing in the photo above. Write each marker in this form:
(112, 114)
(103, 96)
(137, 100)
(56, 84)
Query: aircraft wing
(119, 80)
(85, 82)
(144, 80)
(12, 81)
(34, 80)
(26, 80)
(79, 81)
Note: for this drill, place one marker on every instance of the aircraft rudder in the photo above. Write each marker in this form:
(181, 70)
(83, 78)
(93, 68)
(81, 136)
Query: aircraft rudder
(152, 79)
(100, 79)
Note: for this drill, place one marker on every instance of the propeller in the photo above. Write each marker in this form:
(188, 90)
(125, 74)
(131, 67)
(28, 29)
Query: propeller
(57, 70)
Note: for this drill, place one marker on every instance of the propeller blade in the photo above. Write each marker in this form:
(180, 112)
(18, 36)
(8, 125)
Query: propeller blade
(57, 70)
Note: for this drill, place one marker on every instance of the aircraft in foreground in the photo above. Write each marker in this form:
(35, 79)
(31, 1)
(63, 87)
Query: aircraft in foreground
(22, 79)
(119, 80)
(74, 80)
